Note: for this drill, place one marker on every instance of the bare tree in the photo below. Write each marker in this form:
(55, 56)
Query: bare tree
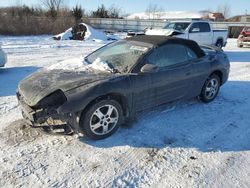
(53, 6)
(153, 11)
(114, 11)
(225, 9)
(103, 12)
(77, 12)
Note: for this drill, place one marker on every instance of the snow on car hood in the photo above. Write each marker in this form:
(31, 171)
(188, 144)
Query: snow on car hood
(79, 64)
(44, 82)
(166, 32)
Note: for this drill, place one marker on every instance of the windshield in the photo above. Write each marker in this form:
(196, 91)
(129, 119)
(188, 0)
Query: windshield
(179, 26)
(247, 29)
(118, 56)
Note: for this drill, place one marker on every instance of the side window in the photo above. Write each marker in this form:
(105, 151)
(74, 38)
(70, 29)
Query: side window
(204, 27)
(190, 53)
(194, 28)
(169, 54)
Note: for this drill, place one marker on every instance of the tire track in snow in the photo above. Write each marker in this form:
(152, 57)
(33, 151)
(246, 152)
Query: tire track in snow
(32, 162)
(153, 169)
(124, 161)
(218, 175)
(18, 132)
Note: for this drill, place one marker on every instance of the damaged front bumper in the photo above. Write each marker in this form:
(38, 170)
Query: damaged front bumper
(244, 40)
(245, 43)
(39, 117)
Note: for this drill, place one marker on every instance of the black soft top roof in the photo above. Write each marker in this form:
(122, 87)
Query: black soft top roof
(156, 40)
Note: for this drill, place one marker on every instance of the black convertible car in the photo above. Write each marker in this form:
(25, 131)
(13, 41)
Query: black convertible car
(138, 73)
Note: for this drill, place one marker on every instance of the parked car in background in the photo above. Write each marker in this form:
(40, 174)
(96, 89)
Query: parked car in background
(3, 57)
(244, 37)
(197, 30)
(136, 74)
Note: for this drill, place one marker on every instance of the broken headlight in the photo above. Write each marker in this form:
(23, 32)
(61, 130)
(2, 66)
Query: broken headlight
(55, 100)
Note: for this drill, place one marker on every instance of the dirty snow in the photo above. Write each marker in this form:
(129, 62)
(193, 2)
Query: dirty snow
(91, 34)
(182, 144)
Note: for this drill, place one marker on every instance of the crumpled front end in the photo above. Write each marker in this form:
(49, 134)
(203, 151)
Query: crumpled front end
(244, 40)
(45, 114)
(41, 95)
(45, 111)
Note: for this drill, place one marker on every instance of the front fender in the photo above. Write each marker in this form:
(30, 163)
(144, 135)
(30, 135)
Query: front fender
(79, 98)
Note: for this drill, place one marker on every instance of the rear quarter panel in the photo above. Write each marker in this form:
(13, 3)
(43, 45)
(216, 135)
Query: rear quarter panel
(222, 64)
(202, 69)
(219, 34)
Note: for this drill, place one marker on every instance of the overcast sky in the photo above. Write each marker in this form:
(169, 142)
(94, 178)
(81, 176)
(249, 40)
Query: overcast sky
(132, 6)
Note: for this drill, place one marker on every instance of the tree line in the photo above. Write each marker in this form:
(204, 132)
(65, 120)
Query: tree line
(54, 17)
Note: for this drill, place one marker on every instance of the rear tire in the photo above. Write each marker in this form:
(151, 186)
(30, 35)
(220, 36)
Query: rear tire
(102, 119)
(210, 89)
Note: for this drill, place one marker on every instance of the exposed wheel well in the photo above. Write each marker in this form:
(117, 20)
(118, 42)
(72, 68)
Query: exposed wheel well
(114, 96)
(218, 73)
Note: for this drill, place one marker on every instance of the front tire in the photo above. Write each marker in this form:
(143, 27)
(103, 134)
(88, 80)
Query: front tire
(239, 45)
(101, 119)
(219, 43)
(210, 89)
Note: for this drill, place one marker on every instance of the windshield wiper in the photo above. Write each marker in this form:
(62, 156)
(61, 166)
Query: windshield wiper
(115, 71)
(86, 60)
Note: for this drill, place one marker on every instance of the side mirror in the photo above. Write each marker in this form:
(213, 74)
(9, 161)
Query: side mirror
(195, 30)
(149, 68)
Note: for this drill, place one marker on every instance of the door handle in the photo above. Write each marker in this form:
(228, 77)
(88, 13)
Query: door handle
(188, 73)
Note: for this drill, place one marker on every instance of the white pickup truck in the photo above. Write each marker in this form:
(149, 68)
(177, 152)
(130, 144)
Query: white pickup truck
(197, 30)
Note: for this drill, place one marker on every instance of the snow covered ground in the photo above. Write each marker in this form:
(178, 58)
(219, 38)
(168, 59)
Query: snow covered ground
(170, 15)
(182, 144)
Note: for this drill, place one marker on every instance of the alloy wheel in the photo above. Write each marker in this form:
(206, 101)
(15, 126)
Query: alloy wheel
(211, 88)
(104, 119)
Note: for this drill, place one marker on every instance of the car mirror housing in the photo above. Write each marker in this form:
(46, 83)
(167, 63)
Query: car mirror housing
(149, 68)
(195, 30)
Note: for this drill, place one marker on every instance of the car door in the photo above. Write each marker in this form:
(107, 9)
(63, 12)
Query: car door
(205, 33)
(171, 81)
(200, 70)
(141, 92)
(195, 34)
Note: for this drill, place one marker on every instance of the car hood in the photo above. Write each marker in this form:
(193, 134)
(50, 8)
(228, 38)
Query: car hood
(42, 83)
(166, 32)
(245, 33)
